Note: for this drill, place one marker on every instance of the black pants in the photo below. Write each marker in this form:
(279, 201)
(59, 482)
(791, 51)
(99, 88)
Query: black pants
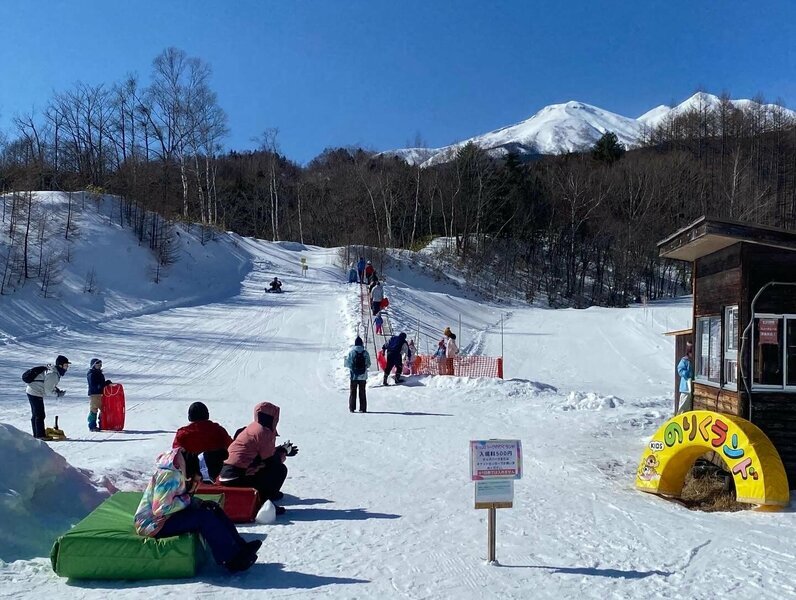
(352, 397)
(214, 459)
(37, 415)
(375, 307)
(393, 362)
(214, 526)
(267, 481)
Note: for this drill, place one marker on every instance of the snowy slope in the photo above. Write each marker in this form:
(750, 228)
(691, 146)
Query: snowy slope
(569, 127)
(379, 504)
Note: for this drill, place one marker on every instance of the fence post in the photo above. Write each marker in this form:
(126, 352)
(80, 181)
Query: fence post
(500, 367)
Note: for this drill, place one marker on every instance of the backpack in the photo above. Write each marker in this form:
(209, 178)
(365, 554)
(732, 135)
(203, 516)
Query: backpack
(358, 364)
(31, 374)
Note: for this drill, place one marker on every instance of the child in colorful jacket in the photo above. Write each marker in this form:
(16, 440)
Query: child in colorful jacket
(379, 323)
(168, 508)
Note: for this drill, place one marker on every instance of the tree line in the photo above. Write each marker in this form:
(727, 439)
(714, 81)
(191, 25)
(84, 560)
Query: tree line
(577, 229)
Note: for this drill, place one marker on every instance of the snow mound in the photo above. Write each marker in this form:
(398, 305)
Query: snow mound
(489, 387)
(41, 495)
(590, 401)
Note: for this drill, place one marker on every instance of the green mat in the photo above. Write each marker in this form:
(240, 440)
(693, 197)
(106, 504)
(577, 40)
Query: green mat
(105, 545)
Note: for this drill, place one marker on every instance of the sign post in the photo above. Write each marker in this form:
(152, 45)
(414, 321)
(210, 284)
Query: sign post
(494, 465)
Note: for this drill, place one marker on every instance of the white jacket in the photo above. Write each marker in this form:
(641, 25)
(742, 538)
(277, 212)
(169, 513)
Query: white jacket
(377, 294)
(451, 349)
(45, 384)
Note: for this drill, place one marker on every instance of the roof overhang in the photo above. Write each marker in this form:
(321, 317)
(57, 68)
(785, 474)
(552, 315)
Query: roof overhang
(706, 236)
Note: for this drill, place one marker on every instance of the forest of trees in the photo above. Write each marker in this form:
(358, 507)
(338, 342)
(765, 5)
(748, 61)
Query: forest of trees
(577, 229)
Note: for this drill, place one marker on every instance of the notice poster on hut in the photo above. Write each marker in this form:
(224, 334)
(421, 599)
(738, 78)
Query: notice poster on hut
(768, 328)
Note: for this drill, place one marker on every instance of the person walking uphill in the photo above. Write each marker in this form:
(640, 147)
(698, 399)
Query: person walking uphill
(96, 385)
(168, 508)
(254, 458)
(685, 369)
(361, 269)
(370, 272)
(395, 349)
(358, 362)
(376, 296)
(44, 382)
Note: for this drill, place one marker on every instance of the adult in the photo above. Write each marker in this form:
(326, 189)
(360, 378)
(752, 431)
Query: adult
(361, 269)
(275, 285)
(205, 437)
(685, 369)
(168, 508)
(358, 362)
(376, 296)
(370, 272)
(352, 273)
(45, 384)
(451, 349)
(96, 385)
(254, 458)
(395, 349)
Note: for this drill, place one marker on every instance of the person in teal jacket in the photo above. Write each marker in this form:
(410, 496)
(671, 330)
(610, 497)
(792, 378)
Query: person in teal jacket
(685, 369)
(358, 362)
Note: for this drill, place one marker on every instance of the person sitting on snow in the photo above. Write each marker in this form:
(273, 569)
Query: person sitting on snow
(275, 285)
(205, 437)
(168, 508)
(254, 458)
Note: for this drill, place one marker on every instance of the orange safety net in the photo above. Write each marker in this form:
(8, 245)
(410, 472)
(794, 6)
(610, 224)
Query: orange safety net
(461, 366)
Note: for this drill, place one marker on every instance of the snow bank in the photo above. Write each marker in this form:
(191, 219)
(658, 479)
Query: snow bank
(590, 401)
(41, 495)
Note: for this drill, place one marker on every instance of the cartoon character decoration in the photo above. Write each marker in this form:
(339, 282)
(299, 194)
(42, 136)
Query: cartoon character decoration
(649, 470)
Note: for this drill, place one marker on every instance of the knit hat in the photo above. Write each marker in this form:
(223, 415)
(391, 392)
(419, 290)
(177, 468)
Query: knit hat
(198, 412)
(358, 341)
(94, 361)
(61, 360)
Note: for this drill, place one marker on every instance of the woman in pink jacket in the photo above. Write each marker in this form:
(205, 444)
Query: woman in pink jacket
(254, 458)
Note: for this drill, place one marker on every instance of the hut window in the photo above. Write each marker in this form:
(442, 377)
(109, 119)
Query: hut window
(790, 336)
(708, 338)
(731, 345)
(767, 351)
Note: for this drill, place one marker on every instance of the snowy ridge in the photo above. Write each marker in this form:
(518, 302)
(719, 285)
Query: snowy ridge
(569, 127)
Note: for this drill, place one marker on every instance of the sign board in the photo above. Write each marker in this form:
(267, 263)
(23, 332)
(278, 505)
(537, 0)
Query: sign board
(494, 493)
(495, 459)
(768, 331)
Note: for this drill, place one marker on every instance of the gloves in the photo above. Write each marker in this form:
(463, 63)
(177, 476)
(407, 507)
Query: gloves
(59, 393)
(290, 449)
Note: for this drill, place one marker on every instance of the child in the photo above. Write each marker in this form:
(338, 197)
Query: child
(439, 355)
(379, 323)
(96, 385)
(410, 357)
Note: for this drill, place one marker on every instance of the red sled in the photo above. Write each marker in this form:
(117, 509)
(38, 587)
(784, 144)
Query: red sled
(240, 504)
(384, 303)
(112, 411)
(381, 360)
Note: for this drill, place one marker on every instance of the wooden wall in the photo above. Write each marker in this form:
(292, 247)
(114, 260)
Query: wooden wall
(707, 397)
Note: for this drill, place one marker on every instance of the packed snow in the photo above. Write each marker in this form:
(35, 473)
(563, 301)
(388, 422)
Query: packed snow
(379, 505)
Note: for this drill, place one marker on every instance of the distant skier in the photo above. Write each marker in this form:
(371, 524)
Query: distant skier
(44, 383)
(395, 349)
(358, 362)
(685, 369)
(275, 285)
(96, 385)
(361, 269)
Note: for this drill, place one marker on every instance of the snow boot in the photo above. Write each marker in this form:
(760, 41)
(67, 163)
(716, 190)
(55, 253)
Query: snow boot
(92, 421)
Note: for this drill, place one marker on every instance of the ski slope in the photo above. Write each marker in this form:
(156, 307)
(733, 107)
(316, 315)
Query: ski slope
(379, 504)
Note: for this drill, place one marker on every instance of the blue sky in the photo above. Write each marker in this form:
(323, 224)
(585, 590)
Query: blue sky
(379, 73)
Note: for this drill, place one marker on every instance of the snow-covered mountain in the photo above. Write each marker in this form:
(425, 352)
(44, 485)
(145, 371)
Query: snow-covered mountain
(569, 127)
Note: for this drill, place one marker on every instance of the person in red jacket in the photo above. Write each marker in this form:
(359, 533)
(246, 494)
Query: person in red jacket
(204, 436)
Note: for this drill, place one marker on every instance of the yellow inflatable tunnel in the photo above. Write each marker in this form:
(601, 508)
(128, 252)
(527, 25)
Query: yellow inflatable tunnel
(749, 455)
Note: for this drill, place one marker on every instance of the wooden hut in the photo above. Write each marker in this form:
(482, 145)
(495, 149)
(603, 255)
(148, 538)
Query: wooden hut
(744, 323)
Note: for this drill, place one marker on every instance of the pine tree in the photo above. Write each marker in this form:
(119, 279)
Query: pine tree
(608, 149)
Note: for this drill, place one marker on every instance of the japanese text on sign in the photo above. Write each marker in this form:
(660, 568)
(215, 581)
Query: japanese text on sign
(495, 459)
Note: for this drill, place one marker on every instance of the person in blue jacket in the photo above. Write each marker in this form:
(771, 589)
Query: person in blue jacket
(361, 269)
(685, 369)
(358, 362)
(96, 385)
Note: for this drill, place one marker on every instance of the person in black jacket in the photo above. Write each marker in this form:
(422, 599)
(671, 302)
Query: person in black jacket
(96, 385)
